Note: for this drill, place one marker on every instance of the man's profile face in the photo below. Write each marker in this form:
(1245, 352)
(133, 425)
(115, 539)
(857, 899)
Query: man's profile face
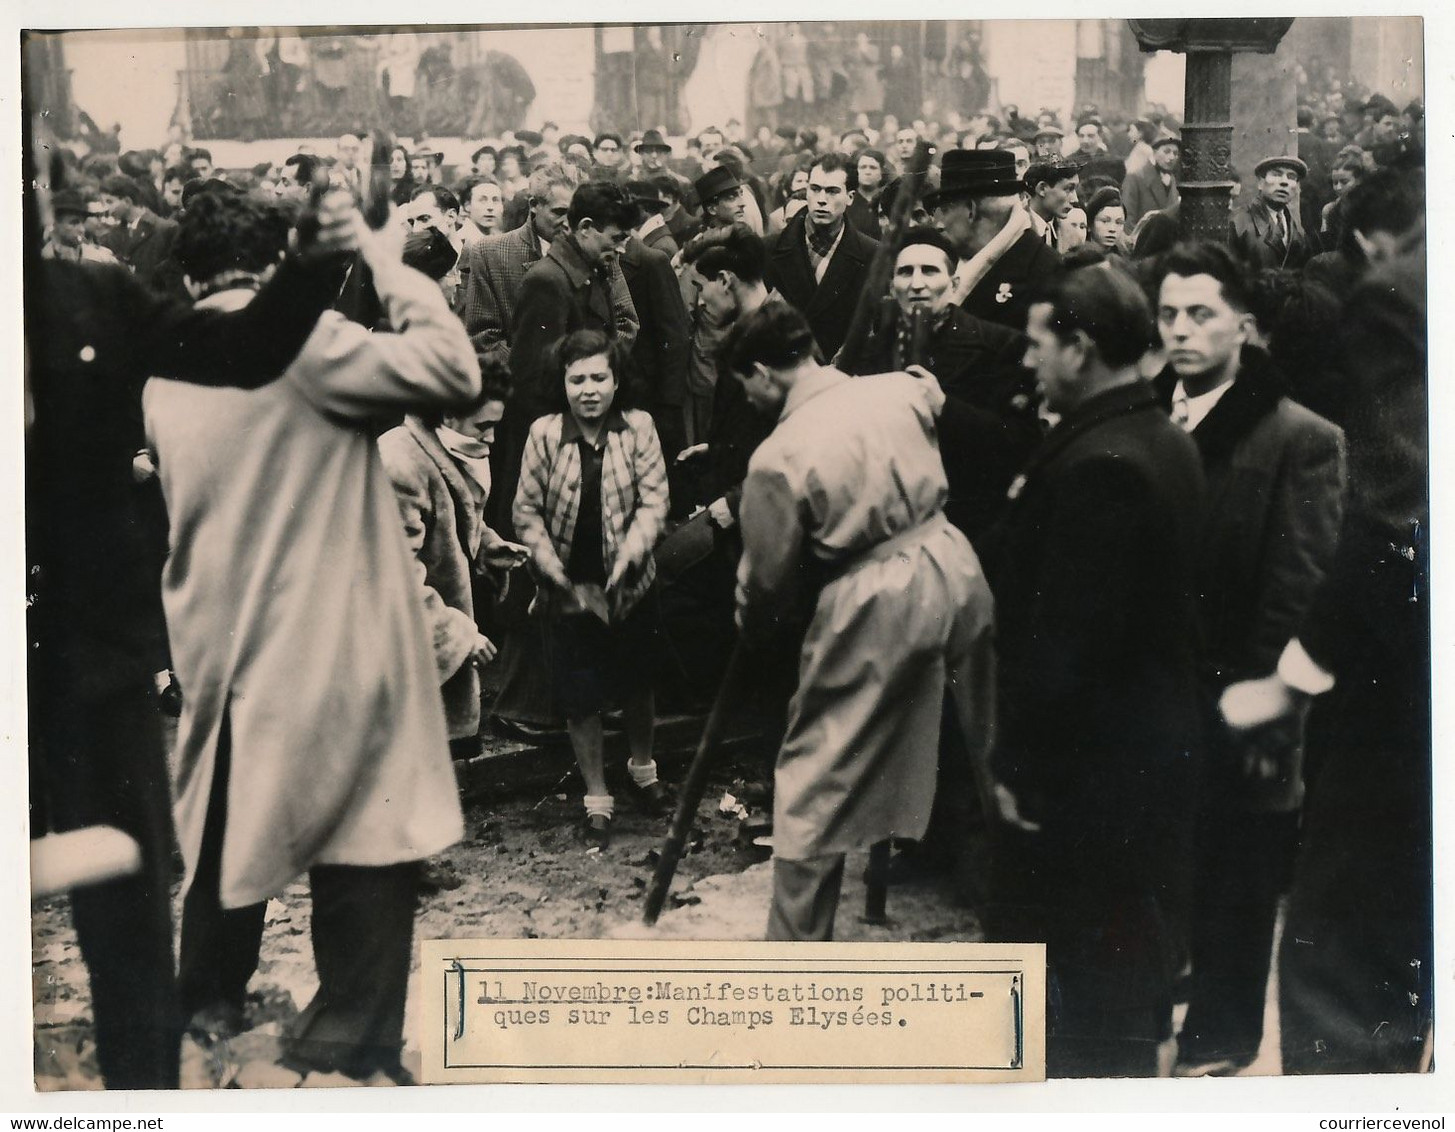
(828, 197)
(1201, 331)
(1166, 157)
(1056, 366)
(762, 394)
(548, 213)
(172, 193)
(731, 207)
(600, 245)
(1059, 198)
(956, 221)
(1386, 129)
(922, 278)
(118, 208)
(289, 187)
(715, 297)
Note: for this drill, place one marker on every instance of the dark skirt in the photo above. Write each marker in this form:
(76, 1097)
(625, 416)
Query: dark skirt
(595, 667)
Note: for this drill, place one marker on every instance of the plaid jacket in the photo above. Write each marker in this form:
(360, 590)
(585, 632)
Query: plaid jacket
(494, 269)
(633, 497)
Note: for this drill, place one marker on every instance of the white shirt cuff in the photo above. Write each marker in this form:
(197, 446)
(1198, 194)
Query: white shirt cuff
(1299, 671)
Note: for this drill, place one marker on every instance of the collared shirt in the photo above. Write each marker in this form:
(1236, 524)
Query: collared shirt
(819, 259)
(1197, 407)
(1046, 229)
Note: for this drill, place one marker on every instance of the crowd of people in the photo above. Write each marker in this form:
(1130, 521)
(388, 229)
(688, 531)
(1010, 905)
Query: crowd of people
(1084, 564)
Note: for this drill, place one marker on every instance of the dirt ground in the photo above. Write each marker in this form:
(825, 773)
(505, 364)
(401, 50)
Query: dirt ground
(525, 874)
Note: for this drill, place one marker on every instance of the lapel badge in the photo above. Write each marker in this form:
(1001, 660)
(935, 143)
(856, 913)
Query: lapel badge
(1002, 295)
(1017, 486)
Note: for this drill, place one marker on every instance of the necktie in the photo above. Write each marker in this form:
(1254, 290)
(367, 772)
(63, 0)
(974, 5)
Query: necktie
(1181, 413)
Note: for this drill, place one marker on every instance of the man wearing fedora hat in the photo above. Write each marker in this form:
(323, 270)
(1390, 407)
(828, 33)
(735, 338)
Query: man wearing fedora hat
(68, 234)
(723, 199)
(1267, 231)
(1153, 187)
(977, 206)
(653, 150)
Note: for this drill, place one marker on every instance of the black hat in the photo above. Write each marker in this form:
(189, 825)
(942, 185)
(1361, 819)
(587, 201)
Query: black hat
(646, 194)
(714, 183)
(430, 252)
(68, 202)
(1286, 161)
(529, 137)
(975, 173)
(1167, 137)
(653, 139)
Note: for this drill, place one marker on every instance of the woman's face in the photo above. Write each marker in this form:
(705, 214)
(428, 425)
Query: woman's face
(1342, 180)
(590, 388)
(510, 166)
(479, 425)
(398, 164)
(1109, 225)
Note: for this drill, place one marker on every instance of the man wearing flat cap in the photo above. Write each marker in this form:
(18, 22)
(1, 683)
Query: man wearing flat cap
(723, 199)
(1048, 140)
(977, 206)
(1267, 231)
(68, 234)
(1153, 187)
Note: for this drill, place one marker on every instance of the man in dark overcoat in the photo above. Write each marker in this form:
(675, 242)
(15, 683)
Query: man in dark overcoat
(1356, 976)
(1275, 474)
(977, 206)
(1093, 569)
(819, 262)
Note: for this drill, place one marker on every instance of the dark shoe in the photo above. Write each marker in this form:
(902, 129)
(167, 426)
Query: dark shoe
(169, 699)
(655, 799)
(438, 875)
(596, 831)
(1218, 1067)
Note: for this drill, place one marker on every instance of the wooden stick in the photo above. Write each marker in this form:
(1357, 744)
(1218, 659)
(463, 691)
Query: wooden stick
(695, 785)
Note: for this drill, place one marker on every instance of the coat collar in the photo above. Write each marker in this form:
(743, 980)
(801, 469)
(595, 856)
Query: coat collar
(1256, 391)
(565, 252)
(1121, 401)
(571, 431)
(462, 493)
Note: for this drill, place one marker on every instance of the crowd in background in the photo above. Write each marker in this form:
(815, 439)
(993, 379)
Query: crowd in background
(530, 440)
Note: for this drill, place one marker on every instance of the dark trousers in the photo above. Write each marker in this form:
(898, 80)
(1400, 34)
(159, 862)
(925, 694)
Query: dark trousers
(363, 924)
(805, 898)
(103, 761)
(1243, 866)
(1355, 965)
(220, 946)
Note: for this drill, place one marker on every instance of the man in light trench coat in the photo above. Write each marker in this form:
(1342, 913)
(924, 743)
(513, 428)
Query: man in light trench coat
(313, 737)
(843, 508)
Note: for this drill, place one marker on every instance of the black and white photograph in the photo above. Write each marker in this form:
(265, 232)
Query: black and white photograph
(822, 480)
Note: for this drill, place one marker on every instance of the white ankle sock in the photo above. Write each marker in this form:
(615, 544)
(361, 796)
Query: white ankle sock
(643, 774)
(600, 804)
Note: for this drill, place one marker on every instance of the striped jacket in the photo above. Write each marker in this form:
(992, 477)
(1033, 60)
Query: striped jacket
(633, 497)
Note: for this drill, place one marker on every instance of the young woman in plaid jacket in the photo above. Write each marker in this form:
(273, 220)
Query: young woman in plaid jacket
(591, 504)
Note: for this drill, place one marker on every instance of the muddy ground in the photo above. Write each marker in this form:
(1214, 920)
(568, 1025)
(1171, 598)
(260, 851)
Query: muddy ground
(525, 874)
